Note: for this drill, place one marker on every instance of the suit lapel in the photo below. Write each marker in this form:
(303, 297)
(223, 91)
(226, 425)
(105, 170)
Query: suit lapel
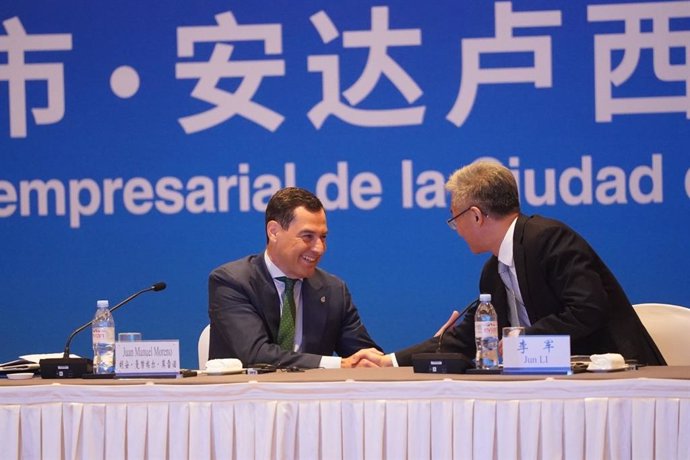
(314, 315)
(269, 302)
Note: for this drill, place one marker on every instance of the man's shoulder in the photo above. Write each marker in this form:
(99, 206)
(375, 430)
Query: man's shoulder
(535, 226)
(236, 267)
(539, 221)
(322, 277)
(541, 232)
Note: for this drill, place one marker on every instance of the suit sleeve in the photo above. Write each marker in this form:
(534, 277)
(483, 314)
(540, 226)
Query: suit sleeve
(459, 339)
(353, 336)
(568, 264)
(240, 325)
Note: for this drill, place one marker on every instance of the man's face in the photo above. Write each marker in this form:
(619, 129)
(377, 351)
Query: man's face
(466, 226)
(298, 249)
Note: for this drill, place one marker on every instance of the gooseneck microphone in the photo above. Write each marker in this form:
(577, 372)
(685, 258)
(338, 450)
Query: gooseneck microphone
(155, 288)
(453, 319)
(67, 367)
(444, 363)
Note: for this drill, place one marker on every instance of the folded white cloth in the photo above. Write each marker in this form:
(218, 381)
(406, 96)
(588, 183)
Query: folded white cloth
(223, 365)
(606, 362)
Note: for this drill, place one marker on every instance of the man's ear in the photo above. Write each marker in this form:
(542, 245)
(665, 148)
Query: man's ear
(476, 213)
(272, 229)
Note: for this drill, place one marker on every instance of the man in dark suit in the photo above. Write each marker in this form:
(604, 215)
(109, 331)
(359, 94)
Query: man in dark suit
(542, 275)
(278, 307)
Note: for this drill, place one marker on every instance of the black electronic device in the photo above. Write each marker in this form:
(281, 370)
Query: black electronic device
(441, 363)
(68, 367)
(260, 368)
(491, 371)
(65, 368)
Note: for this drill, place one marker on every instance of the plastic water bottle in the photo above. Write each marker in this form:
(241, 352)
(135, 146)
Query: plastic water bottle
(103, 335)
(486, 334)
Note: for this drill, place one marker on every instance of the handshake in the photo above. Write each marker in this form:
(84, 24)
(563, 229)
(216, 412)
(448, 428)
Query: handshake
(371, 357)
(367, 357)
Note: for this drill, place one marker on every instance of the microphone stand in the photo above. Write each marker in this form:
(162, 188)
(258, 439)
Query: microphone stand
(67, 367)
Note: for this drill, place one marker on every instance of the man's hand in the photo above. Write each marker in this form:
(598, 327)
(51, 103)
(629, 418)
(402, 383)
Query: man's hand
(367, 357)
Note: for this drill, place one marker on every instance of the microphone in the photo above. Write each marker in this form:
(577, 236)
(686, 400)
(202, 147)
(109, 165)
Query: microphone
(155, 288)
(67, 367)
(444, 363)
(453, 318)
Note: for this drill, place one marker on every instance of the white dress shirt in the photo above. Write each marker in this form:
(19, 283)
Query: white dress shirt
(329, 362)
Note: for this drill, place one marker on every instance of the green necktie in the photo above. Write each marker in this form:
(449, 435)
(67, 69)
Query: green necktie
(286, 331)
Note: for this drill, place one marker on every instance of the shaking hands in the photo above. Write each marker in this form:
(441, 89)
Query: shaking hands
(367, 357)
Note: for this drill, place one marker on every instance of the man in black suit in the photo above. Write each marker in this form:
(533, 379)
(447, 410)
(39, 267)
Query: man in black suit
(249, 297)
(553, 281)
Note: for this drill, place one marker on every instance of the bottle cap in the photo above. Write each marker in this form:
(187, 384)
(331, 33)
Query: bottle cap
(485, 297)
(102, 304)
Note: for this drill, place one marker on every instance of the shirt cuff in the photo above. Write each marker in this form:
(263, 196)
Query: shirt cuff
(330, 362)
(394, 360)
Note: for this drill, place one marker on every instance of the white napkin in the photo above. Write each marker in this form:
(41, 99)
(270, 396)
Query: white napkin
(606, 362)
(223, 365)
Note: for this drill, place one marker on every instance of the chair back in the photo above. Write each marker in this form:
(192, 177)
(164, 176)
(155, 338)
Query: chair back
(669, 326)
(202, 346)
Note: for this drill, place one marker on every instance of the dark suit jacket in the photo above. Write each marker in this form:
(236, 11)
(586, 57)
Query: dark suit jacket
(244, 309)
(566, 288)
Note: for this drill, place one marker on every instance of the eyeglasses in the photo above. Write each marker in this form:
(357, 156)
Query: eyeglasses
(451, 222)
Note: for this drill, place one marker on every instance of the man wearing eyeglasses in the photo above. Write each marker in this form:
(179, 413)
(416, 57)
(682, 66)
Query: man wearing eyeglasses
(541, 275)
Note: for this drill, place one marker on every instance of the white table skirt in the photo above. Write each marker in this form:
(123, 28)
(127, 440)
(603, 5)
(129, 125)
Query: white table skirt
(549, 419)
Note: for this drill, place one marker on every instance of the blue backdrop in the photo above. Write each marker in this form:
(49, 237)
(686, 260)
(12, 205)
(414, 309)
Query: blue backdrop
(140, 142)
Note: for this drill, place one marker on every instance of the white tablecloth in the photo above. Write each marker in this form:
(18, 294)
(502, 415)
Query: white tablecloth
(549, 419)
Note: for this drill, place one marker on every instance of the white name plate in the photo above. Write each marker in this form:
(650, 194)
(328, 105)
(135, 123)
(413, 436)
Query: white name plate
(150, 358)
(536, 354)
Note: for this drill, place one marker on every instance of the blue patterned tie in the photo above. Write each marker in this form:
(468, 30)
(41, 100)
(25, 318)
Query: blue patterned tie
(286, 331)
(518, 313)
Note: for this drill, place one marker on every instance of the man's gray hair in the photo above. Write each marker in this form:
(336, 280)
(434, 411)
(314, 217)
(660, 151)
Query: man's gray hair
(486, 184)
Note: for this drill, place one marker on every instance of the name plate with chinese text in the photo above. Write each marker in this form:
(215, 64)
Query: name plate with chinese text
(536, 354)
(150, 358)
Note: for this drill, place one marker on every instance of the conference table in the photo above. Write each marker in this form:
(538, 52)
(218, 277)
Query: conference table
(390, 413)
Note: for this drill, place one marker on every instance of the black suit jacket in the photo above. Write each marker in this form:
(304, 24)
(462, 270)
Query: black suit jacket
(244, 309)
(566, 288)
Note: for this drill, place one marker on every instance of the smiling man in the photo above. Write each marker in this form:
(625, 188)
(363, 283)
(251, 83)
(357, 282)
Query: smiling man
(278, 307)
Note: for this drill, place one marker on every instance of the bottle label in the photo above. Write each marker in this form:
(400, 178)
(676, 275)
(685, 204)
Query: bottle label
(103, 334)
(484, 329)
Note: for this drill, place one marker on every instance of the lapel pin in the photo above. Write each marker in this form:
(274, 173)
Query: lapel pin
(323, 299)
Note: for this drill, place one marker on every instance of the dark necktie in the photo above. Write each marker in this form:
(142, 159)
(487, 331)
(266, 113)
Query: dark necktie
(286, 331)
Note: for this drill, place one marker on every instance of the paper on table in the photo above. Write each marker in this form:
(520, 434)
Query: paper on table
(26, 367)
(27, 362)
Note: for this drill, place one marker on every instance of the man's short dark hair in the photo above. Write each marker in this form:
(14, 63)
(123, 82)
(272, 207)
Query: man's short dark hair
(281, 207)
